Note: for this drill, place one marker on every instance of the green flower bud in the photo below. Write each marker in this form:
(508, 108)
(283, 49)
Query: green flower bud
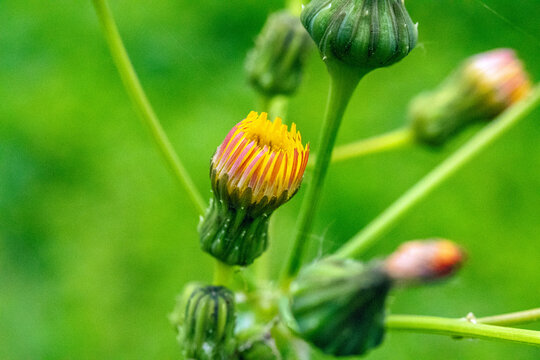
(258, 167)
(274, 66)
(207, 328)
(367, 34)
(482, 87)
(339, 305)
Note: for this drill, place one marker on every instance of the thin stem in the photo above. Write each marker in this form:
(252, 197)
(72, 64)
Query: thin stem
(389, 141)
(516, 318)
(370, 234)
(223, 273)
(343, 81)
(461, 328)
(138, 96)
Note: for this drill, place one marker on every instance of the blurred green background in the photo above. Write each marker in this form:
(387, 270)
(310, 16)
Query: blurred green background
(96, 238)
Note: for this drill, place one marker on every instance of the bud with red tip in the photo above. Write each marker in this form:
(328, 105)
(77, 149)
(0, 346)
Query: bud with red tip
(418, 261)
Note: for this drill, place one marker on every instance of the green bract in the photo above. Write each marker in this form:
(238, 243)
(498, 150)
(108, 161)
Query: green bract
(362, 33)
(338, 305)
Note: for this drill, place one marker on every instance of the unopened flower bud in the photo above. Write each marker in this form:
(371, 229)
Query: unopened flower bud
(367, 34)
(483, 87)
(258, 167)
(339, 305)
(418, 261)
(207, 329)
(274, 66)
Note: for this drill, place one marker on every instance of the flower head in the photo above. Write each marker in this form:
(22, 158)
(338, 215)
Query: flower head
(424, 260)
(258, 167)
(260, 159)
(499, 73)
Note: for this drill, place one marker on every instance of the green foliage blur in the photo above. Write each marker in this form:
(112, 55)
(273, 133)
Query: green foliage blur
(97, 238)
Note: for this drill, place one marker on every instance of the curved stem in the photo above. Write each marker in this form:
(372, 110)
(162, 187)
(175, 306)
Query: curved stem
(370, 234)
(516, 318)
(138, 96)
(389, 141)
(461, 328)
(343, 81)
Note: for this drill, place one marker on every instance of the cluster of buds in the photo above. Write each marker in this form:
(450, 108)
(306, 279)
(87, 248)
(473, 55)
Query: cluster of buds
(483, 87)
(274, 66)
(258, 167)
(339, 305)
(365, 34)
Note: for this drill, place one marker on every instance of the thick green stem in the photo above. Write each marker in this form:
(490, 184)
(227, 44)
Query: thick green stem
(372, 232)
(516, 318)
(343, 81)
(389, 141)
(461, 328)
(138, 96)
(223, 273)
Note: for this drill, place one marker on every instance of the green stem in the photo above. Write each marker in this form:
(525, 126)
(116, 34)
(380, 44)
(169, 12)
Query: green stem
(343, 81)
(516, 318)
(223, 273)
(461, 328)
(389, 141)
(294, 6)
(370, 234)
(138, 96)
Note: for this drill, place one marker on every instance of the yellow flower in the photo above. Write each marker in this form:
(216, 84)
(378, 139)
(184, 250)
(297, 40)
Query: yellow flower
(261, 157)
(258, 167)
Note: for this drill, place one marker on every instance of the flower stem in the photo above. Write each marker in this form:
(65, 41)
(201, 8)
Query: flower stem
(138, 96)
(516, 318)
(223, 273)
(343, 81)
(461, 328)
(370, 234)
(389, 141)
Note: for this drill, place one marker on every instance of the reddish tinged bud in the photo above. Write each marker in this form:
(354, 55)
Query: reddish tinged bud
(424, 260)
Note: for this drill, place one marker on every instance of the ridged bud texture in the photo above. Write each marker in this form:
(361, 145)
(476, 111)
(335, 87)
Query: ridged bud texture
(367, 34)
(207, 332)
(339, 305)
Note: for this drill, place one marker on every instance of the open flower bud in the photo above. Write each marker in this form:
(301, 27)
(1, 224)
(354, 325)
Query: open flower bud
(274, 66)
(339, 305)
(258, 167)
(483, 87)
(206, 331)
(418, 261)
(367, 34)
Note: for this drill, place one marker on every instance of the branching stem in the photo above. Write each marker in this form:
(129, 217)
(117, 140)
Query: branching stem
(388, 218)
